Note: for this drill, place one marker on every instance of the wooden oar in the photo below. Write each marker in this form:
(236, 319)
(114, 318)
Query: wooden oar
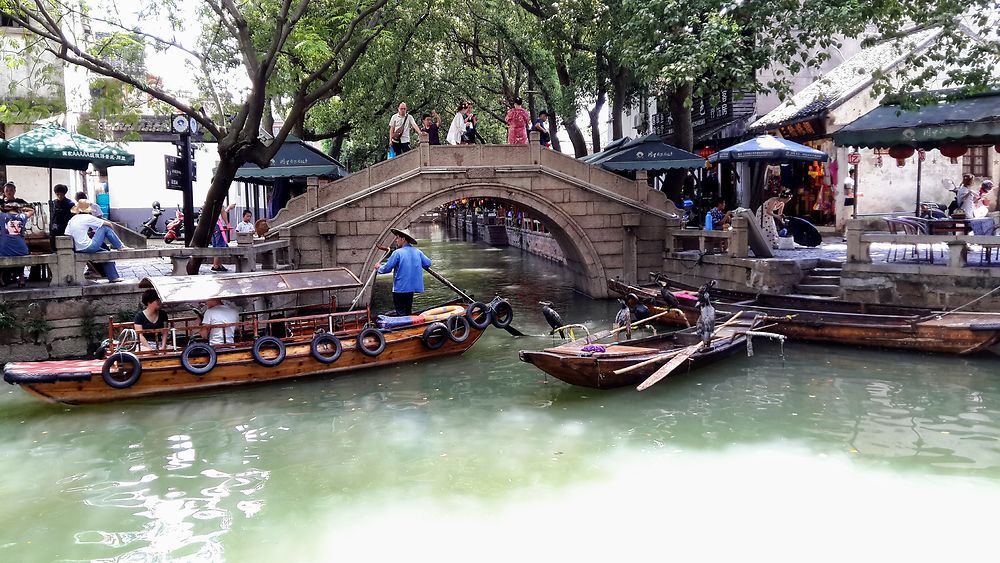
(371, 277)
(510, 329)
(681, 357)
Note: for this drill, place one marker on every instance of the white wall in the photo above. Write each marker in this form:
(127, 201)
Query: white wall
(138, 186)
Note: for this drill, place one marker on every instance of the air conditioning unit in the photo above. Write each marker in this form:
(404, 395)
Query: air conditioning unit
(638, 119)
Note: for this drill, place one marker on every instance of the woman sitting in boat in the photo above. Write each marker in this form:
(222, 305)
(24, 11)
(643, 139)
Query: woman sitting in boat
(151, 322)
(772, 211)
(215, 315)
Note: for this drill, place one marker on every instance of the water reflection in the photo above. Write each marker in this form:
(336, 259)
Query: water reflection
(482, 438)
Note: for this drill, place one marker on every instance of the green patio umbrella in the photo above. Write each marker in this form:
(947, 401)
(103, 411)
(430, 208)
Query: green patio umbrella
(51, 146)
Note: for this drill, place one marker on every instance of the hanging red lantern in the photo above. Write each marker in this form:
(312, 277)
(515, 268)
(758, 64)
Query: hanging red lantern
(953, 150)
(901, 152)
(706, 152)
(996, 147)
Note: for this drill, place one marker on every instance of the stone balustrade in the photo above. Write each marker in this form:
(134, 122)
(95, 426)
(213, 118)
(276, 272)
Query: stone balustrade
(65, 266)
(734, 242)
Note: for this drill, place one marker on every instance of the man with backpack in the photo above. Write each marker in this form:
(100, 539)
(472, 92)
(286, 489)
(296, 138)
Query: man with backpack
(399, 130)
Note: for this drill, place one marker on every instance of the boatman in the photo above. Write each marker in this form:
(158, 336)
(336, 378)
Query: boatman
(407, 264)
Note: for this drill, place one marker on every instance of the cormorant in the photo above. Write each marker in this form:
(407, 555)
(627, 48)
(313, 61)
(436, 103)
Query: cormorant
(552, 317)
(706, 320)
(666, 294)
(639, 310)
(624, 318)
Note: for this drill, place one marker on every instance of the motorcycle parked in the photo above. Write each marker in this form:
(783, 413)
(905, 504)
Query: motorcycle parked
(148, 229)
(175, 227)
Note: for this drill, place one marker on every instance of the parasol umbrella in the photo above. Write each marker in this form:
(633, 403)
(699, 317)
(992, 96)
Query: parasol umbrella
(51, 146)
(765, 149)
(648, 153)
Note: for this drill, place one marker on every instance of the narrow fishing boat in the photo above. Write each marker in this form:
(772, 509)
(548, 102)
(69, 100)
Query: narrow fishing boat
(290, 328)
(837, 322)
(634, 361)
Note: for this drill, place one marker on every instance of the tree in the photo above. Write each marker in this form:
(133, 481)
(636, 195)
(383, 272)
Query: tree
(315, 45)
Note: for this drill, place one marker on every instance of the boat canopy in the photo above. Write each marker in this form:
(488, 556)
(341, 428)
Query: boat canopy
(193, 289)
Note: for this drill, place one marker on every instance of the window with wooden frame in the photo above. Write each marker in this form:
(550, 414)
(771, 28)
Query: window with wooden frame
(976, 162)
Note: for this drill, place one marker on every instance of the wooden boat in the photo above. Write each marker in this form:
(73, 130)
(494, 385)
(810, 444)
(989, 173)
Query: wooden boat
(271, 344)
(843, 322)
(576, 364)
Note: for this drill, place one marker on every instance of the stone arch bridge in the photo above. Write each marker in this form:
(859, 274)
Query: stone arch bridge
(606, 225)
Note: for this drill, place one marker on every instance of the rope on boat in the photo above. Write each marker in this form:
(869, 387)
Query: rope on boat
(960, 307)
(769, 335)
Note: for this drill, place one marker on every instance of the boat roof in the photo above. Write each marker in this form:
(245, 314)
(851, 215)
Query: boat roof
(192, 289)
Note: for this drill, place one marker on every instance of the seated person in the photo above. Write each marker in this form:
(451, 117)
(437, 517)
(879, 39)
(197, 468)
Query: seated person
(219, 314)
(246, 225)
(10, 202)
(96, 211)
(717, 218)
(151, 318)
(77, 228)
(12, 243)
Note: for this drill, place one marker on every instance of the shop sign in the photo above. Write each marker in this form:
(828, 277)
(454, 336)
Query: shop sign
(704, 115)
(811, 128)
(854, 158)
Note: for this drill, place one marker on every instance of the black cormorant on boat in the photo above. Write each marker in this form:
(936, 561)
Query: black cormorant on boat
(552, 317)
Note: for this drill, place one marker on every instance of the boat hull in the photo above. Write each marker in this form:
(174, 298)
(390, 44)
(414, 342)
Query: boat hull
(853, 324)
(597, 370)
(164, 375)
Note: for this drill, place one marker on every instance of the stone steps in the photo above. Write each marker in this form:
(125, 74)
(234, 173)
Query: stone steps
(818, 289)
(821, 281)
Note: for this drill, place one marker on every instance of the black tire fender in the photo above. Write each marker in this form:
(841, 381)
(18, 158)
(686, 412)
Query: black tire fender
(503, 314)
(326, 338)
(371, 333)
(259, 345)
(435, 336)
(133, 373)
(479, 315)
(459, 329)
(199, 347)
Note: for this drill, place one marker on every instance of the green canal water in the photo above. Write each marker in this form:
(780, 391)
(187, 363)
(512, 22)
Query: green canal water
(827, 454)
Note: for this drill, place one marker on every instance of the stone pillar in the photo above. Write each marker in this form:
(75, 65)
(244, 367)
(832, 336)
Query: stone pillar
(425, 149)
(65, 270)
(312, 194)
(534, 148)
(958, 253)
(328, 230)
(739, 238)
(858, 252)
(641, 185)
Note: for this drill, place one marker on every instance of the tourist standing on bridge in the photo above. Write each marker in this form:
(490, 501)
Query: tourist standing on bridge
(399, 130)
(517, 124)
(542, 128)
(431, 124)
(407, 264)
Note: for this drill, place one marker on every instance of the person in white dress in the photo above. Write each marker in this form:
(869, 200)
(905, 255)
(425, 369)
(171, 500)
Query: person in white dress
(459, 125)
(772, 210)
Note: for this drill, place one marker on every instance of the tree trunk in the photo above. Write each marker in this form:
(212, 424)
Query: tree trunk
(619, 98)
(225, 172)
(595, 121)
(680, 113)
(576, 137)
(337, 146)
(553, 128)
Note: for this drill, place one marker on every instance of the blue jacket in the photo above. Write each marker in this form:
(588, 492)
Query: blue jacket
(409, 264)
(13, 245)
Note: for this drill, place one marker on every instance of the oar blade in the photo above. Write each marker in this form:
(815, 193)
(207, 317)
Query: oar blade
(669, 367)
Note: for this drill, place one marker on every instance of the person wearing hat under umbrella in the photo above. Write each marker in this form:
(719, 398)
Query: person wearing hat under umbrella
(77, 228)
(407, 264)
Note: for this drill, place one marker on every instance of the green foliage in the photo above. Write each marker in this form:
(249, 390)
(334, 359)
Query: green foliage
(33, 321)
(7, 319)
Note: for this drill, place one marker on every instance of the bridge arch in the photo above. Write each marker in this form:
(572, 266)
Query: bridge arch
(582, 257)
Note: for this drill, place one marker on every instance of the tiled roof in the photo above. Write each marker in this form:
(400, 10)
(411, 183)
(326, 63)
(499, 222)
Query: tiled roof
(844, 80)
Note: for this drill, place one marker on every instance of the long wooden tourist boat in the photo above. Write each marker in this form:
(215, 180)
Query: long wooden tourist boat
(580, 364)
(271, 344)
(841, 322)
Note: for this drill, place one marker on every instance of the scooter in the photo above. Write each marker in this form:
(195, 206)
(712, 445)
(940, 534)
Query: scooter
(175, 227)
(148, 229)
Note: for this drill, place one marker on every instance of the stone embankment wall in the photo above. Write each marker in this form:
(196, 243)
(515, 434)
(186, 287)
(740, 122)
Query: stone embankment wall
(539, 244)
(61, 323)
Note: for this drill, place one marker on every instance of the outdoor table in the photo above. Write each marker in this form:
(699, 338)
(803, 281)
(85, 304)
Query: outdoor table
(982, 226)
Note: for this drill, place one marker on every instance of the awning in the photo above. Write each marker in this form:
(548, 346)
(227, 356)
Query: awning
(51, 146)
(174, 290)
(972, 121)
(767, 148)
(295, 159)
(648, 153)
(609, 149)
